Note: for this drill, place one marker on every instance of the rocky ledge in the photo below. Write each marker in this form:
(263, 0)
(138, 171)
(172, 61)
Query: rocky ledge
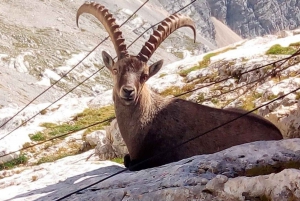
(253, 171)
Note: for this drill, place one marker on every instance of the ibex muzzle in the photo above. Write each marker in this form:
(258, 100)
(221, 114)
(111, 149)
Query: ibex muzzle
(151, 124)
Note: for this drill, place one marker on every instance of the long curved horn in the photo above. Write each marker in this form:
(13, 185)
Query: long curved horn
(166, 27)
(106, 18)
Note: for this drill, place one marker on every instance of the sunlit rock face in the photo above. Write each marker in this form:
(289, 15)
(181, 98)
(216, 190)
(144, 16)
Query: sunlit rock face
(256, 17)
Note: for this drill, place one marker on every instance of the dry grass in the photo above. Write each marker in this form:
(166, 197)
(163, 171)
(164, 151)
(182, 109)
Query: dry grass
(21, 159)
(87, 117)
(70, 150)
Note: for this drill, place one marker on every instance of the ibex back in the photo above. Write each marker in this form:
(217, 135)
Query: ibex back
(150, 123)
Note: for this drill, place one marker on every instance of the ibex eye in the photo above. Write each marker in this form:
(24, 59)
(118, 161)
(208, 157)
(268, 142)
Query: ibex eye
(144, 77)
(114, 71)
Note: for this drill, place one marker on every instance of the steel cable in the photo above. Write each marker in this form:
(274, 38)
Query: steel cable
(170, 149)
(84, 79)
(75, 88)
(225, 79)
(178, 145)
(107, 120)
(61, 79)
(284, 60)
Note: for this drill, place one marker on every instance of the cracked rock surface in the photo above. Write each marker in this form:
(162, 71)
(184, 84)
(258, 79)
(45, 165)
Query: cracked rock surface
(246, 172)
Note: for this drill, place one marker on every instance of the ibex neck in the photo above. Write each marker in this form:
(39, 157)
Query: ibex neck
(149, 104)
(135, 120)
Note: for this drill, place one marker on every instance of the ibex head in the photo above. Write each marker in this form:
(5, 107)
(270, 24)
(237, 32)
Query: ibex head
(129, 75)
(131, 72)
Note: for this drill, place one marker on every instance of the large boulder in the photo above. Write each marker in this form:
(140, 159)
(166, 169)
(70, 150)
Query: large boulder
(254, 171)
(96, 138)
(114, 134)
(112, 144)
(251, 171)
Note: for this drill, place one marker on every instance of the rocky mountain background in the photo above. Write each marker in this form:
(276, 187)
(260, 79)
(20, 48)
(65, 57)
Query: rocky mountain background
(250, 18)
(238, 42)
(247, 18)
(45, 48)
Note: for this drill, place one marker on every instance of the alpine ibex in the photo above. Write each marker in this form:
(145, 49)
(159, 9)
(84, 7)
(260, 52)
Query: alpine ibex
(150, 123)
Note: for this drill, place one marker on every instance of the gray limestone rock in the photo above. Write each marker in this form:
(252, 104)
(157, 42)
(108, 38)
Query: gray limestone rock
(244, 172)
(250, 18)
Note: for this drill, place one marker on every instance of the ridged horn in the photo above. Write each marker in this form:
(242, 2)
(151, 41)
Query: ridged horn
(106, 18)
(164, 29)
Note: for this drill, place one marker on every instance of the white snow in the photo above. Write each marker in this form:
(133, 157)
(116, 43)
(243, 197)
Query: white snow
(51, 74)
(162, 83)
(45, 81)
(65, 109)
(167, 77)
(256, 47)
(126, 11)
(70, 173)
(62, 111)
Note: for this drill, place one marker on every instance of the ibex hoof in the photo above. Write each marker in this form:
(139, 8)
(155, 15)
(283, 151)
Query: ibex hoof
(132, 165)
(127, 160)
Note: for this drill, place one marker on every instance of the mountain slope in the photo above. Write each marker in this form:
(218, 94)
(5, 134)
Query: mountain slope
(50, 180)
(40, 38)
(224, 35)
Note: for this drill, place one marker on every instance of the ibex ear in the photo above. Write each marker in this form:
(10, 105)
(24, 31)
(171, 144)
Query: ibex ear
(154, 68)
(108, 60)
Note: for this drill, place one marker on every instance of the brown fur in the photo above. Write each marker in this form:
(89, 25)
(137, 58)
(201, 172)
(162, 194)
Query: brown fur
(151, 124)
(156, 124)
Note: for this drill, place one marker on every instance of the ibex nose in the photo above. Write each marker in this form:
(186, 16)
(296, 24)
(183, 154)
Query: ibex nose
(128, 91)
